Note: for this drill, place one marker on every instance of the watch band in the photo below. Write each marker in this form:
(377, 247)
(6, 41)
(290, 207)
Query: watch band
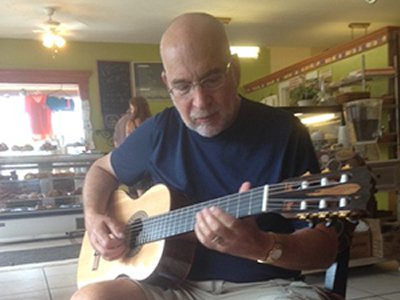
(275, 253)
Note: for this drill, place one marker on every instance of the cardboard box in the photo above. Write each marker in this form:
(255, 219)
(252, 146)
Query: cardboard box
(391, 239)
(376, 237)
(361, 245)
(391, 245)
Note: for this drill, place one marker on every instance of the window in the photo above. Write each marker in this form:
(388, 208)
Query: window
(15, 122)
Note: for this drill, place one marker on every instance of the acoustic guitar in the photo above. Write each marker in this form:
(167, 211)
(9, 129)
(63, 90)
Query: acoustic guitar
(156, 226)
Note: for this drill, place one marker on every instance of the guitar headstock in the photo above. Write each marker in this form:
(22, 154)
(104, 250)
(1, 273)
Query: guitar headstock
(338, 194)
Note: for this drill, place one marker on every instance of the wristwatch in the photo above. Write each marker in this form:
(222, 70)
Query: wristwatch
(274, 254)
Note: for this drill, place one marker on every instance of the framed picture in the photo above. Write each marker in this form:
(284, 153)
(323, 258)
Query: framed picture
(147, 82)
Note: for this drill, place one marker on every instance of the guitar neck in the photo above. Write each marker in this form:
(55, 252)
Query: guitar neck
(314, 196)
(182, 220)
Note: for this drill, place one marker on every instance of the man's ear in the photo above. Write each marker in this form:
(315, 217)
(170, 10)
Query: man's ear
(236, 69)
(164, 78)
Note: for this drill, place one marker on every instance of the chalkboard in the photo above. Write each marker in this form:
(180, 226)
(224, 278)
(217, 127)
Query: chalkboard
(115, 90)
(147, 81)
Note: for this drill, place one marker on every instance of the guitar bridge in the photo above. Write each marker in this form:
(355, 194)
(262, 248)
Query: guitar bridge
(96, 260)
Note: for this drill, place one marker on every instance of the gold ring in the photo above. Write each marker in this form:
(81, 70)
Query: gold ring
(215, 239)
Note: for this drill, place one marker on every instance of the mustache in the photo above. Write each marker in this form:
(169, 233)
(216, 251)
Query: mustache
(202, 113)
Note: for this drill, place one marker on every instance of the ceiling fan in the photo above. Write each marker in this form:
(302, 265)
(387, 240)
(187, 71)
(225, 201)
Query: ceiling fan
(52, 31)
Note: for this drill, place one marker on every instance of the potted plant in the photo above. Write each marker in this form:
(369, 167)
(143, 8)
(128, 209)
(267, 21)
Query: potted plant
(306, 93)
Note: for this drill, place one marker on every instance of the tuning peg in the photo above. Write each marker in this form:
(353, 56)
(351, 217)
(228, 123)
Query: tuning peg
(344, 178)
(324, 181)
(304, 185)
(342, 202)
(322, 204)
(303, 205)
(325, 170)
(311, 223)
(329, 222)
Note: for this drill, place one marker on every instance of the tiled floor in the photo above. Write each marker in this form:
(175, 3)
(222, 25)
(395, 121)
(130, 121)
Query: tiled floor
(56, 281)
(378, 281)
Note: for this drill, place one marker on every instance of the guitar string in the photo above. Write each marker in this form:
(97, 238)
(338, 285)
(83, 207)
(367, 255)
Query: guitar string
(186, 212)
(160, 231)
(219, 202)
(231, 198)
(171, 217)
(232, 207)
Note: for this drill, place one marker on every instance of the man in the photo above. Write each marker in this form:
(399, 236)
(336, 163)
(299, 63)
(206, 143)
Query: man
(212, 143)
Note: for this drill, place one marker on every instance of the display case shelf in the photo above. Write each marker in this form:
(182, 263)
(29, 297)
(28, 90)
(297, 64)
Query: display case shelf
(36, 188)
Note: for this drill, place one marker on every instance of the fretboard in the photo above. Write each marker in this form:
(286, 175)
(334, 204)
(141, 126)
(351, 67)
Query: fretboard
(182, 220)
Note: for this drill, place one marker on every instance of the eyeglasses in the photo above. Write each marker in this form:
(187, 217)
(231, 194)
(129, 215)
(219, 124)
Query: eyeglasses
(210, 83)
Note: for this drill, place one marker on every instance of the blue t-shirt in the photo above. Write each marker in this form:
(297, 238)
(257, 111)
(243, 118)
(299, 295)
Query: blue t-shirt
(265, 145)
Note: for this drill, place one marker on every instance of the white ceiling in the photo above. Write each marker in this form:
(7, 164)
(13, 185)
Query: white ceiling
(270, 23)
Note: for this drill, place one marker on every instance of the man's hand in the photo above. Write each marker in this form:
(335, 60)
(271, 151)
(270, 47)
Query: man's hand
(106, 236)
(220, 231)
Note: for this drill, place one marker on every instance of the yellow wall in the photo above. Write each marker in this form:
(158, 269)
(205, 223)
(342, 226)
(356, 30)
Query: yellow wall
(282, 57)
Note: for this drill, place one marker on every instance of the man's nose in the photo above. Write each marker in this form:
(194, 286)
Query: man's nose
(200, 96)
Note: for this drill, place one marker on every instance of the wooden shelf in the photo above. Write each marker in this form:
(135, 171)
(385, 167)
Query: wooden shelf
(366, 75)
(313, 109)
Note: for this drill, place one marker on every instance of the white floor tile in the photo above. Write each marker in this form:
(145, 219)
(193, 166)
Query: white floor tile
(354, 293)
(14, 282)
(63, 293)
(33, 295)
(59, 276)
(376, 284)
(395, 296)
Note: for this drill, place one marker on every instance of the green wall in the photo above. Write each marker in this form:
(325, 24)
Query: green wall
(30, 54)
(374, 58)
(253, 69)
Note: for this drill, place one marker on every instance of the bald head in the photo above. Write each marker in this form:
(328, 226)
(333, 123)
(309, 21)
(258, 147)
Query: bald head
(195, 52)
(198, 35)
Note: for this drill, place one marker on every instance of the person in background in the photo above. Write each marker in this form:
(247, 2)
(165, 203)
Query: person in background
(137, 113)
(213, 142)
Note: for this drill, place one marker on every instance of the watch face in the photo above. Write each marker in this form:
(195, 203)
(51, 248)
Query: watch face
(275, 254)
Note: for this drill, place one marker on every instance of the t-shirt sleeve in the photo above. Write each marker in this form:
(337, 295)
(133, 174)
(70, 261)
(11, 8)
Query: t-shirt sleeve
(130, 160)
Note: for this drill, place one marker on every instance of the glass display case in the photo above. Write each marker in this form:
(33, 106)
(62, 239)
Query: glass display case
(40, 195)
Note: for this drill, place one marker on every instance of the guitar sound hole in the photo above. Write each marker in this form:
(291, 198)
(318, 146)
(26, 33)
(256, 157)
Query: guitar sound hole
(135, 230)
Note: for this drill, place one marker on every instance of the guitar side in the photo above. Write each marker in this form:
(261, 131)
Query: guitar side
(156, 261)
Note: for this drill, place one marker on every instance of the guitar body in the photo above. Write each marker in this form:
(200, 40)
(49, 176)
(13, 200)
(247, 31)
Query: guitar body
(165, 262)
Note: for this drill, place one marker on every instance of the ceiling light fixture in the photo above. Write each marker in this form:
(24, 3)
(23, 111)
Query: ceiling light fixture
(53, 40)
(245, 51)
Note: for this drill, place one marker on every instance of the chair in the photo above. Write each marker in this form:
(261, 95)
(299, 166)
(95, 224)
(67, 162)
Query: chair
(336, 275)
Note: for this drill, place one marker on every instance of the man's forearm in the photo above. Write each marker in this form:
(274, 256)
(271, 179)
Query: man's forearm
(99, 184)
(308, 249)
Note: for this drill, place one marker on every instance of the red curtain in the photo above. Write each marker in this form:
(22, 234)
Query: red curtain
(39, 114)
